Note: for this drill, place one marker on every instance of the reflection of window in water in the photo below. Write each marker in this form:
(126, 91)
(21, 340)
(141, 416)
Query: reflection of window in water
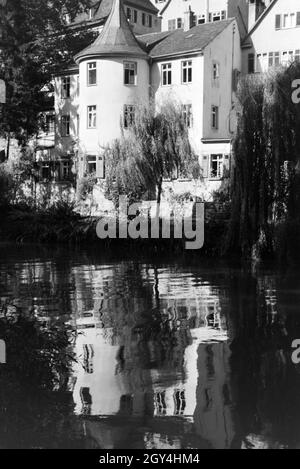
(88, 355)
(179, 402)
(160, 403)
(212, 317)
(210, 361)
(126, 404)
(86, 400)
(271, 302)
(208, 399)
(226, 395)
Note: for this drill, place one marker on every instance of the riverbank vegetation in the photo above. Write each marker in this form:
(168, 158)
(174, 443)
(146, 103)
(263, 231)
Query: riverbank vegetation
(265, 190)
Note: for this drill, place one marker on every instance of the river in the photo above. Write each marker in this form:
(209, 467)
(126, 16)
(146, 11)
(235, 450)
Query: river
(167, 354)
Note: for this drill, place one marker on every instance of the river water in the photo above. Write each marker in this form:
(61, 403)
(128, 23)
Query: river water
(167, 354)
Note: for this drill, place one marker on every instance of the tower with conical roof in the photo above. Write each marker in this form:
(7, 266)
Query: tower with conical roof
(114, 82)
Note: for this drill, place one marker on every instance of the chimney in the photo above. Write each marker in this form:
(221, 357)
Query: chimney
(255, 9)
(206, 11)
(188, 21)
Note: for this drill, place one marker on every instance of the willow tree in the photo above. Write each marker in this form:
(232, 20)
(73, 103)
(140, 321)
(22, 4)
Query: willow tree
(265, 186)
(156, 146)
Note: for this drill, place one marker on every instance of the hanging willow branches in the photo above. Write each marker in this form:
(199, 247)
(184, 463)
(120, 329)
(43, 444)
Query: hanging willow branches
(265, 188)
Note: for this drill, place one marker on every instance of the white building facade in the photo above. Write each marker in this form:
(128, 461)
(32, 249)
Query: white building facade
(118, 74)
(197, 67)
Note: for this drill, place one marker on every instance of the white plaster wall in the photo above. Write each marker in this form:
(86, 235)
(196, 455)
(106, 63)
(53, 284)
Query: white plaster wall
(109, 95)
(182, 93)
(265, 38)
(225, 50)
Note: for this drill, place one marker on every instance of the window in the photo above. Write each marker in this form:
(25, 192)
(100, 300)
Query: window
(274, 59)
(66, 87)
(144, 19)
(65, 126)
(92, 117)
(201, 19)
(45, 171)
(187, 115)
(287, 20)
(217, 16)
(297, 55)
(278, 22)
(166, 74)
(215, 117)
(128, 13)
(287, 57)
(50, 123)
(92, 73)
(129, 115)
(135, 16)
(150, 21)
(91, 164)
(187, 71)
(179, 23)
(251, 63)
(130, 73)
(65, 170)
(216, 71)
(216, 166)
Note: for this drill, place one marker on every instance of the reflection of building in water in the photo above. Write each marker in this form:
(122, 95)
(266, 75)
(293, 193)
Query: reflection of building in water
(213, 412)
(163, 360)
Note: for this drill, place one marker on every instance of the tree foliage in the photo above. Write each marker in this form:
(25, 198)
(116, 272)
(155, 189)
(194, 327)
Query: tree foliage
(265, 188)
(35, 42)
(157, 146)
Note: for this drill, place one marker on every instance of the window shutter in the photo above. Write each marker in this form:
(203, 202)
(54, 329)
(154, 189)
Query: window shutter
(100, 167)
(205, 165)
(226, 165)
(277, 21)
(298, 19)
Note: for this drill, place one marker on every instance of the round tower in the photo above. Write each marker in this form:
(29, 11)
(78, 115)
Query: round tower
(114, 82)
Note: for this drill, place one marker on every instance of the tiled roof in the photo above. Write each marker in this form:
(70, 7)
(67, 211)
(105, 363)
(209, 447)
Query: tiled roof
(116, 38)
(150, 39)
(180, 41)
